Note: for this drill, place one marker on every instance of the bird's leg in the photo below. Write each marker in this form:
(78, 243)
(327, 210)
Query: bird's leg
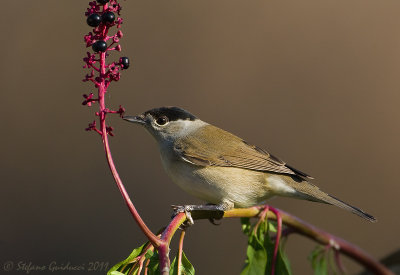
(210, 211)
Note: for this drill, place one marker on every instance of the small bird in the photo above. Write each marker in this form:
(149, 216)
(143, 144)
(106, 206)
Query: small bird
(223, 169)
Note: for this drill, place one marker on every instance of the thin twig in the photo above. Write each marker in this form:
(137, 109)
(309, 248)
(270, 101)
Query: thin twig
(278, 237)
(180, 251)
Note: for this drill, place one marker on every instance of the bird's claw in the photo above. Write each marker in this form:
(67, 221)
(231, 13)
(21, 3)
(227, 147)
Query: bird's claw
(183, 209)
(212, 220)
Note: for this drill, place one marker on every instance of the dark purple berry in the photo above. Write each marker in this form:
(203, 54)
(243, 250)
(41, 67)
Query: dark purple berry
(108, 17)
(103, 1)
(99, 46)
(93, 20)
(124, 61)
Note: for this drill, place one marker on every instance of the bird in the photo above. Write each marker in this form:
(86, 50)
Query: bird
(222, 169)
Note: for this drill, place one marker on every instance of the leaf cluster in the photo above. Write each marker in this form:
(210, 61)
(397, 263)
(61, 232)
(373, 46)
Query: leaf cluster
(133, 266)
(260, 250)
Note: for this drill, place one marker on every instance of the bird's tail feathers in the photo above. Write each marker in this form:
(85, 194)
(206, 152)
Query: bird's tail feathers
(328, 199)
(335, 201)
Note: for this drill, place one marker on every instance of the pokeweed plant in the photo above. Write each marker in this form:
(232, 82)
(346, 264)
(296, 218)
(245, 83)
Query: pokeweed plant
(265, 253)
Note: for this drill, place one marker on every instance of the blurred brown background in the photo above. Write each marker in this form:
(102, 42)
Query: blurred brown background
(315, 82)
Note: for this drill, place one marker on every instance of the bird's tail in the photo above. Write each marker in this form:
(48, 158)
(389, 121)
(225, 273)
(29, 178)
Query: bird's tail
(335, 201)
(308, 191)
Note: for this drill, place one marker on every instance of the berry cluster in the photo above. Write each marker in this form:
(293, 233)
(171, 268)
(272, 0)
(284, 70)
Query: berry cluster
(102, 15)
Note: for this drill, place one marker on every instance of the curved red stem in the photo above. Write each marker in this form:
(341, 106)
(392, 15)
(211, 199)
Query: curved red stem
(277, 239)
(166, 237)
(102, 117)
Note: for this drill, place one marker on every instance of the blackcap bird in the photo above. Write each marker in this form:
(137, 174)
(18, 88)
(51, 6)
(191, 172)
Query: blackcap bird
(221, 168)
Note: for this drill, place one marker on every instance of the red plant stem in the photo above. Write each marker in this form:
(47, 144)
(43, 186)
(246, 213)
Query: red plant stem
(180, 251)
(139, 260)
(296, 225)
(261, 217)
(166, 237)
(318, 235)
(338, 262)
(278, 237)
(102, 116)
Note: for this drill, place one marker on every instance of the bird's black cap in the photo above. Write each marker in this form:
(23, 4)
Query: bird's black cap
(173, 113)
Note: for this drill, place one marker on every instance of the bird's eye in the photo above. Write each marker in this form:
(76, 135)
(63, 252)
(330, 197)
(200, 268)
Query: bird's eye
(162, 120)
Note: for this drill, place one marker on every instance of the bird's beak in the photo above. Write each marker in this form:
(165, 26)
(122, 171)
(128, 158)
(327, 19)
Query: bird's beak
(135, 119)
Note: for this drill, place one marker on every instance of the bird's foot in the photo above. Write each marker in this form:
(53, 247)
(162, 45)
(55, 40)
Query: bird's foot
(210, 211)
(184, 209)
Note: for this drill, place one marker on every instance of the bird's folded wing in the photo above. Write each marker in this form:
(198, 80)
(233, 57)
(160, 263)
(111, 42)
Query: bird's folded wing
(228, 150)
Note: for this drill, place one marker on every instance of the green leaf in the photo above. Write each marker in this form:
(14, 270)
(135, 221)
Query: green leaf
(256, 262)
(319, 261)
(332, 263)
(272, 226)
(126, 265)
(282, 265)
(314, 254)
(174, 266)
(154, 267)
(116, 273)
(260, 251)
(149, 254)
(321, 267)
(186, 267)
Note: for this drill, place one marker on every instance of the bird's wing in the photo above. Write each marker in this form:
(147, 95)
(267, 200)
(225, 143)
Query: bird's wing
(228, 150)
